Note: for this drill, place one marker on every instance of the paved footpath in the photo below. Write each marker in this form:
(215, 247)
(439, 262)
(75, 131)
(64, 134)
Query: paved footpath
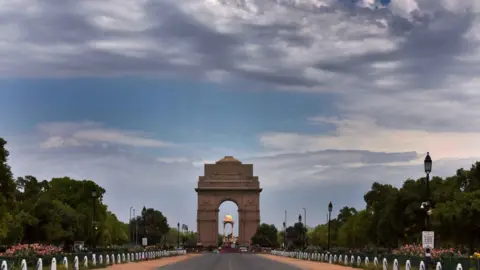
(305, 265)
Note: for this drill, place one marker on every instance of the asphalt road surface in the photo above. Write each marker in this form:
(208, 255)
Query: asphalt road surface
(229, 261)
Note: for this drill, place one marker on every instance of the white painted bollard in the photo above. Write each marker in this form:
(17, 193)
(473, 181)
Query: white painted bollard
(4, 266)
(39, 264)
(107, 259)
(94, 260)
(113, 259)
(65, 262)
(119, 260)
(76, 265)
(123, 257)
(385, 264)
(100, 259)
(330, 258)
(340, 258)
(439, 266)
(346, 260)
(335, 258)
(53, 265)
(352, 260)
(359, 261)
(23, 264)
(422, 265)
(367, 261)
(459, 267)
(408, 265)
(85, 261)
(375, 262)
(395, 265)
(128, 257)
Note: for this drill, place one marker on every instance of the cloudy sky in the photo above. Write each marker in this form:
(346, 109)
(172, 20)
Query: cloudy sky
(324, 97)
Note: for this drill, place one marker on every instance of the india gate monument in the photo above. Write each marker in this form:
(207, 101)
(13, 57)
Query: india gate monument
(227, 180)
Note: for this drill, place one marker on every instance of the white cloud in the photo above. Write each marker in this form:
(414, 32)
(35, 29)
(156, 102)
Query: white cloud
(173, 159)
(365, 134)
(57, 142)
(78, 134)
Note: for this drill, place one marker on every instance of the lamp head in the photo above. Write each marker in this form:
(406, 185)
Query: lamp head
(427, 163)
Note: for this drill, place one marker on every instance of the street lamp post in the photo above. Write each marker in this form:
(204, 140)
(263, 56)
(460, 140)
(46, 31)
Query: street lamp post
(305, 224)
(285, 231)
(178, 234)
(330, 207)
(301, 232)
(135, 234)
(94, 226)
(144, 217)
(184, 231)
(427, 163)
(130, 225)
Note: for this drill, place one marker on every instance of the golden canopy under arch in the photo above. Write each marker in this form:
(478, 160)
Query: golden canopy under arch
(228, 219)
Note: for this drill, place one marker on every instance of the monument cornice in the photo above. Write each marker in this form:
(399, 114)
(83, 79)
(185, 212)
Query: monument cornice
(242, 189)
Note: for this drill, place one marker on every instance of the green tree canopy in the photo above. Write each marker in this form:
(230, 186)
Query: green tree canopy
(266, 236)
(61, 211)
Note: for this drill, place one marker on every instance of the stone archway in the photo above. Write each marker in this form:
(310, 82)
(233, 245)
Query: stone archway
(227, 180)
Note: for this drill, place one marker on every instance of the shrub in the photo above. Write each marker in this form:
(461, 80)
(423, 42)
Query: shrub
(31, 250)
(419, 251)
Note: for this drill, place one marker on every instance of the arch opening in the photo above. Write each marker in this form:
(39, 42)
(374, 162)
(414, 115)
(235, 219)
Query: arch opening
(228, 222)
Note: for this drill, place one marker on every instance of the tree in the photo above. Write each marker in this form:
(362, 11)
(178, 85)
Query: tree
(7, 184)
(155, 224)
(319, 235)
(7, 192)
(295, 235)
(353, 233)
(59, 211)
(220, 240)
(266, 236)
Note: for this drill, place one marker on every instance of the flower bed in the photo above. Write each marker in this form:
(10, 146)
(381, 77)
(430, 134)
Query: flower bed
(419, 251)
(29, 250)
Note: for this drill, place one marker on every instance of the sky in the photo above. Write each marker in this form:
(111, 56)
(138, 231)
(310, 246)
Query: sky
(324, 97)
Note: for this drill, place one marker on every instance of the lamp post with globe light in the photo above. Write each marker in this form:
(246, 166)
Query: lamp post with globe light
(94, 225)
(178, 234)
(301, 227)
(330, 208)
(427, 235)
(427, 163)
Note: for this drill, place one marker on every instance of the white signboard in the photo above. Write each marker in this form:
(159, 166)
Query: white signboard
(144, 241)
(428, 238)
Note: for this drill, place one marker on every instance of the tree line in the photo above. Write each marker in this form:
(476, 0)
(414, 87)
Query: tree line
(64, 210)
(393, 217)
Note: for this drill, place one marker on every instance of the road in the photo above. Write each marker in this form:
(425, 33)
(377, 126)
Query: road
(229, 261)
